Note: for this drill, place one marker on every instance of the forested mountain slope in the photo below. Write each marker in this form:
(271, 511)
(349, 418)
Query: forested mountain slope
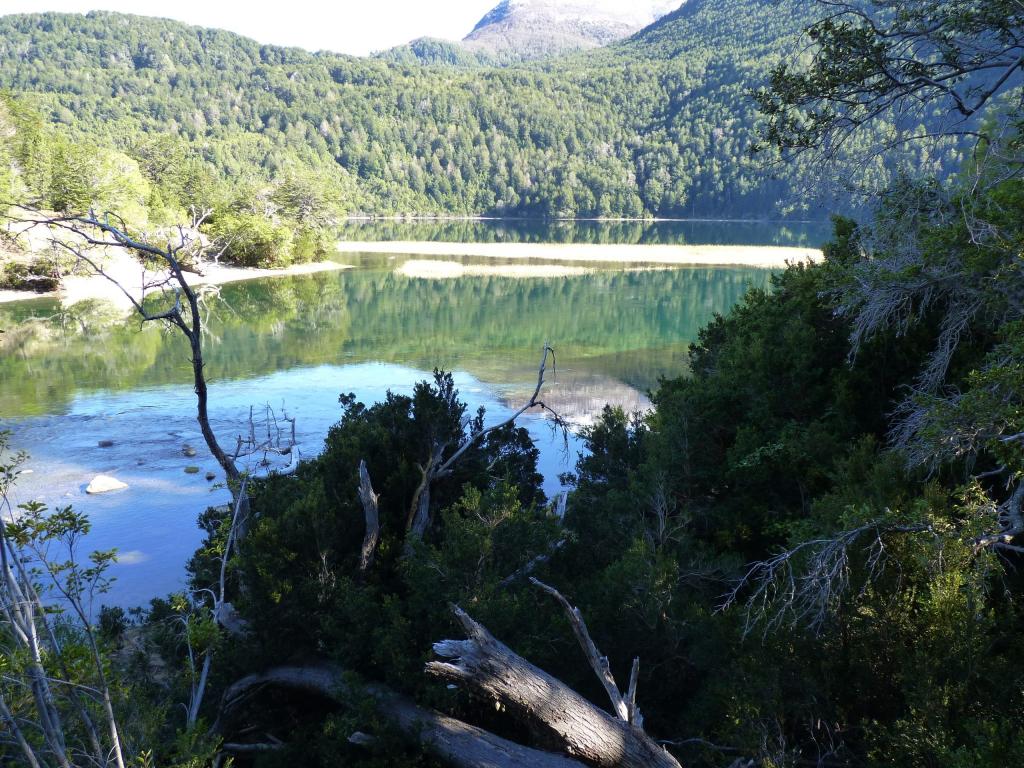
(659, 124)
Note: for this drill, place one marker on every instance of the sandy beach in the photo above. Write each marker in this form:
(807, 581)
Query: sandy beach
(678, 255)
(129, 273)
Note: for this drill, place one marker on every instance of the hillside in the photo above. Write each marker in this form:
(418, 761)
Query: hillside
(657, 125)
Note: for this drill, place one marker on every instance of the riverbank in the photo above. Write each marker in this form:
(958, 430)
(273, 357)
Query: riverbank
(129, 274)
(768, 257)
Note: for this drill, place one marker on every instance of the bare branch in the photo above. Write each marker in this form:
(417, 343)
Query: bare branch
(533, 563)
(494, 672)
(785, 590)
(437, 467)
(460, 744)
(598, 662)
(8, 718)
(634, 712)
(533, 402)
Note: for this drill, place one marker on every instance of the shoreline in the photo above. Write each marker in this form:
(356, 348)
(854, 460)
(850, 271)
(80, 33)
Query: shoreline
(128, 273)
(767, 257)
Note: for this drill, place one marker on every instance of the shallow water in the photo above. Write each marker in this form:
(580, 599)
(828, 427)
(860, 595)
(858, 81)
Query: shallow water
(153, 522)
(72, 378)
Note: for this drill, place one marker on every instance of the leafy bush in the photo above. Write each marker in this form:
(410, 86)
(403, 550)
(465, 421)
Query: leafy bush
(250, 240)
(38, 276)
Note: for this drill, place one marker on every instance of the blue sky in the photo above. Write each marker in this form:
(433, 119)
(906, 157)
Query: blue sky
(349, 26)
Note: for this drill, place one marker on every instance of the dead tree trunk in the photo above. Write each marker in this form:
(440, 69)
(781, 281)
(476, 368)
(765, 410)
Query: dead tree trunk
(576, 731)
(562, 718)
(185, 317)
(458, 743)
(371, 512)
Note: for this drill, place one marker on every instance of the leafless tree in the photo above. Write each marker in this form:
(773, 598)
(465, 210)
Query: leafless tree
(181, 306)
(86, 237)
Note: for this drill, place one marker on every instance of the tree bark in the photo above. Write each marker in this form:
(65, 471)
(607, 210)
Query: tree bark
(562, 718)
(371, 512)
(460, 744)
(419, 510)
(598, 662)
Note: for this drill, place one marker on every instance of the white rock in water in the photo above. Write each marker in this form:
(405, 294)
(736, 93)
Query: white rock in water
(105, 483)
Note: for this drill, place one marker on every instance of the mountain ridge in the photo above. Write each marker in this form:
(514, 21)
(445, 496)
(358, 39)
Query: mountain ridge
(533, 29)
(657, 125)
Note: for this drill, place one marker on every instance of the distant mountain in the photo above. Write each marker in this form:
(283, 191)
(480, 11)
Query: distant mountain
(658, 124)
(528, 29)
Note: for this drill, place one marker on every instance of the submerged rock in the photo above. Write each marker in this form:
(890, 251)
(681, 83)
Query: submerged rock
(188, 450)
(105, 484)
(106, 444)
(191, 470)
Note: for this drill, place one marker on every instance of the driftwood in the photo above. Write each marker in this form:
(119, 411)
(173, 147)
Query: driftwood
(561, 717)
(458, 743)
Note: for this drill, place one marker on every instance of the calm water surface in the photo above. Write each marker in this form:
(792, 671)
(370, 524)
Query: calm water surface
(70, 378)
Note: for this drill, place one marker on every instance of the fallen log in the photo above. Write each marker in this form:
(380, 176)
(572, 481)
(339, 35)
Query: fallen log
(460, 744)
(563, 719)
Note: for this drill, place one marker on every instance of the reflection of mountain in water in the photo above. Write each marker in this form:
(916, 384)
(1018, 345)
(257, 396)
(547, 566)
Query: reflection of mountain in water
(630, 326)
(695, 232)
(579, 396)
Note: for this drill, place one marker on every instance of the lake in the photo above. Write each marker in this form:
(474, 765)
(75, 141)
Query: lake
(70, 378)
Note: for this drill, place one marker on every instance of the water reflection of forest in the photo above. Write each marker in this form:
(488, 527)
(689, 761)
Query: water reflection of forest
(629, 326)
(806, 234)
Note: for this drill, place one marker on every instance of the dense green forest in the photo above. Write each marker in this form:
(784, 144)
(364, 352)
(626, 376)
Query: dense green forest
(658, 125)
(812, 545)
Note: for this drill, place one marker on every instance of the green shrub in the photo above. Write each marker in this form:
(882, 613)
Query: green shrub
(38, 276)
(252, 240)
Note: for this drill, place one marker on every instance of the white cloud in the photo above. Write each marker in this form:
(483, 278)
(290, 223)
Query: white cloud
(132, 557)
